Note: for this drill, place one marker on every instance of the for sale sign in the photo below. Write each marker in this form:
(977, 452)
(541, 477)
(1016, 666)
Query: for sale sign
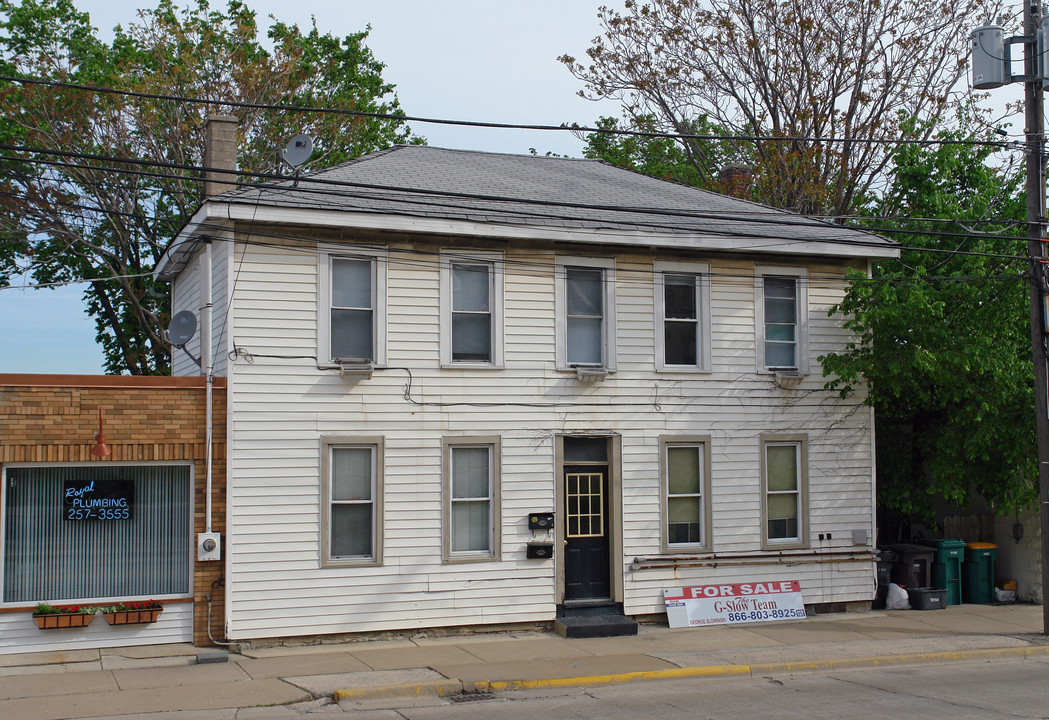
(730, 604)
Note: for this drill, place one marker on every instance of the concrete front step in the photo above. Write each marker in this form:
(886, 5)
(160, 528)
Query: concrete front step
(590, 626)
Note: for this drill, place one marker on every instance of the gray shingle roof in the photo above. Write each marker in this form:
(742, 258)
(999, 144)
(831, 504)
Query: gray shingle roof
(526, 190)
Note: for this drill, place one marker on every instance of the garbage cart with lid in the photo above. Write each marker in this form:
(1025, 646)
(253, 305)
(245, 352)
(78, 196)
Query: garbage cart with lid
(947, 567)
(913, 565)
(978, 572)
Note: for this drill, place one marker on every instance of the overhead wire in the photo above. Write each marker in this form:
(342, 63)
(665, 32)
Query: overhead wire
(575, 128)
(774, 218)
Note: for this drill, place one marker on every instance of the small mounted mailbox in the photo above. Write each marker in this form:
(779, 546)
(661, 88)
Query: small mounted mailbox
(541, 521)
(541, 550)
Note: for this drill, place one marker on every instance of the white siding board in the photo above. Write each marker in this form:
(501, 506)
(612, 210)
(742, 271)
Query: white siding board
(281, 408)
(19, 634)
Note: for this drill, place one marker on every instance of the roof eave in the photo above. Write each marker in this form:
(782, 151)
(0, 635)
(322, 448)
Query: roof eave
(606, 236)
(184, 245)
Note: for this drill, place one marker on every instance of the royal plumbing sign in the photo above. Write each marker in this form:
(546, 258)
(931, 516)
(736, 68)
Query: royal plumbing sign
(730, 604)
(98, 499)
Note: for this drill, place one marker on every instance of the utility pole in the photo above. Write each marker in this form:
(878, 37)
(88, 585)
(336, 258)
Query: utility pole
(992, 68)
(1034, 123)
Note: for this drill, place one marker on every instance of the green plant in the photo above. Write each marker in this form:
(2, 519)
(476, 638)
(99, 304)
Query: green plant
(46, 609)
(132, 606)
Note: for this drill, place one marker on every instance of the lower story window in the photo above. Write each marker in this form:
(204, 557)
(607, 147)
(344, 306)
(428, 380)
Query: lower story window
(784, 481)
(686, 508)
(79, 532)
(352, 506)
(472, 498)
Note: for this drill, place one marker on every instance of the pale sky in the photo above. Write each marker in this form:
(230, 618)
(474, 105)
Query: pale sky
(480, 60)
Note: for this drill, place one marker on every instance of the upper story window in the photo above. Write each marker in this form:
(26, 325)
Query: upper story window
(682, 320)
(781, 312)
(471, 308)
(352, 308)
(586, 313)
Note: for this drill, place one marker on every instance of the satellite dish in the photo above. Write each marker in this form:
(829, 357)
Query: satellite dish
(182, 328)
(298, 150)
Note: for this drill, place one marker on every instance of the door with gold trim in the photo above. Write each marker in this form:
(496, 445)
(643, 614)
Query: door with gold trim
(586, 516)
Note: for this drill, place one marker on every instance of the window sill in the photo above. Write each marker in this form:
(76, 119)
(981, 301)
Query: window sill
(470, 366)
(774, 545)
(683, 549)
(464, 559)
(363, 562)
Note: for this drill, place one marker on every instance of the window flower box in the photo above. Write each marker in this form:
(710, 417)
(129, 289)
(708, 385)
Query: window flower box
(49, 617)
(134, 613)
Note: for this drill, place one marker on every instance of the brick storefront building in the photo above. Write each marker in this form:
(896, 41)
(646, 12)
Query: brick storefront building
(156, 429)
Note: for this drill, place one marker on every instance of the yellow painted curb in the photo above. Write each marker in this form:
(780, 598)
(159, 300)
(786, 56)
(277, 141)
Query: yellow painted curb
(612, 679)
(381, 692)
(452, 687)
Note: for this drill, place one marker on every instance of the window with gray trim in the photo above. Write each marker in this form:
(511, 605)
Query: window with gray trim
(684, 494)
(471, 312)
(685, 469)
(585, 314)
(781, 321)
(471, 498)
(353, 501)
(784, 483)
(353, 309)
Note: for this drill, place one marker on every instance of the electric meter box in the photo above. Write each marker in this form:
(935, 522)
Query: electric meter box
(209, 546)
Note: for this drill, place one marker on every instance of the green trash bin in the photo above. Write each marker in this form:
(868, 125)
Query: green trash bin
(947, 567)
(978, 572)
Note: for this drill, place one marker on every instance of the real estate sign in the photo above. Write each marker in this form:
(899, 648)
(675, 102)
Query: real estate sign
(703, 605)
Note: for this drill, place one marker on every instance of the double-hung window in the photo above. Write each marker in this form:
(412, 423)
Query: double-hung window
(352, 308)
(471, 308)
(781, 311)
(682, 322)
(586, 313)
(352, 501)
(686, 506)
(471, 491)
(784, 460)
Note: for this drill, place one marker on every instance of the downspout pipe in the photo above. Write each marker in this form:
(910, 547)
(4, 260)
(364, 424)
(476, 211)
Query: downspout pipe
(207, 359)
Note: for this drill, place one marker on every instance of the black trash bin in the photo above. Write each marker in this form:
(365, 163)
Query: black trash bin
(886, 558)
(913, 566)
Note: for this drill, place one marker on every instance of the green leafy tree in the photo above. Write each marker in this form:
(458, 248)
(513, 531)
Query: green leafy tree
(849, 71)
(696, 164)
(71, 218)
(944, 342)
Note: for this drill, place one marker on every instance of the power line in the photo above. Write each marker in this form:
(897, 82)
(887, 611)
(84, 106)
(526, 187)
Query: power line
(574, 127)
(776, 218)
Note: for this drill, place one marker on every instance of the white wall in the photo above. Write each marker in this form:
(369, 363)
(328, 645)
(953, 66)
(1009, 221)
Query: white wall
(19, 633)
(280, 407)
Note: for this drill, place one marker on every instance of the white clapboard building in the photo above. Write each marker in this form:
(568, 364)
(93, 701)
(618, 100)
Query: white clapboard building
(469, 389)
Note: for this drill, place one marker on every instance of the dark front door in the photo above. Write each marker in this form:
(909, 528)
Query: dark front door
(587, 568)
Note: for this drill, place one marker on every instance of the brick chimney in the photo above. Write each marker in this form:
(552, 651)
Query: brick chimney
(220, 153)
(735, 179)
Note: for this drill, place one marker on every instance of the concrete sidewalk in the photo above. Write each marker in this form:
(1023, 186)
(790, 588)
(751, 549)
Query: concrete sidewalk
(161, 680)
